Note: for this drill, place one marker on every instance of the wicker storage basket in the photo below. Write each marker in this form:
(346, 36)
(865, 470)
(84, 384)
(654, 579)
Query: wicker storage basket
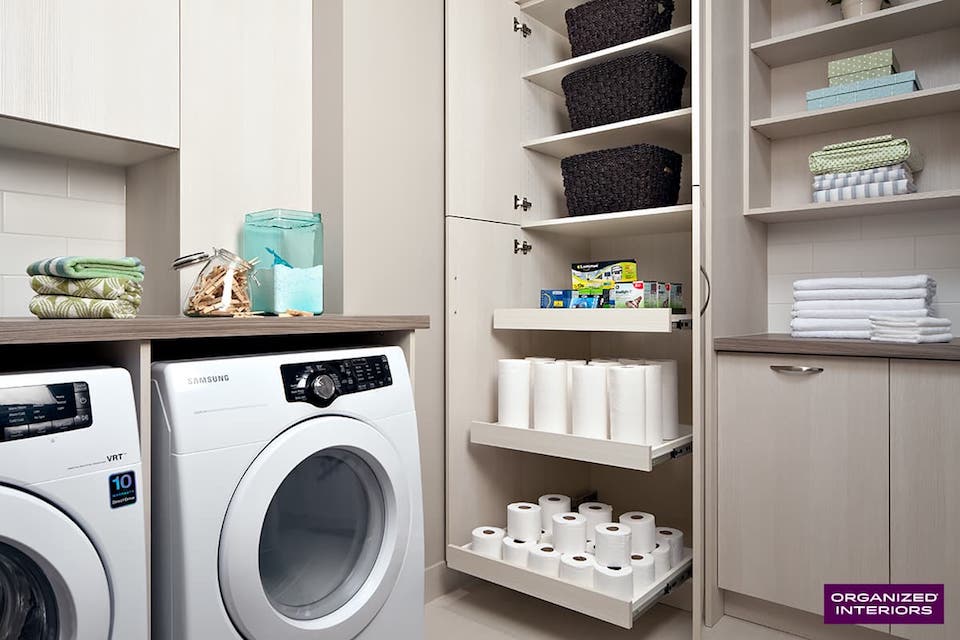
(637, 177)
(600, 24)
(633, 87)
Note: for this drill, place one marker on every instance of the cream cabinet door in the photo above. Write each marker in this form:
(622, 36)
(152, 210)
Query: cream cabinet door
(105, 66)
(802, 476)
(925, 485)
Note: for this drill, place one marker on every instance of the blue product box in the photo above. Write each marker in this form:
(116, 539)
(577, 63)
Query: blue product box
(556, 298)
(885, 87)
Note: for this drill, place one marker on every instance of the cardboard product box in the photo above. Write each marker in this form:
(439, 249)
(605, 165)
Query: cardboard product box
(651, 294)
(556, 298)
(883, 58)
(676, 297)
(627, 295)
(605, 274)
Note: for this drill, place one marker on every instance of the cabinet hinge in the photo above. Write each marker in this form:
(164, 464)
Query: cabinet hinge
(522, 247)
(522, 28)
(521, 203)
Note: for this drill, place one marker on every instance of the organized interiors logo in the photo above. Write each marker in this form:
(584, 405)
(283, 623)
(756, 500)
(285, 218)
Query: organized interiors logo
(883, 603)
(208, 379)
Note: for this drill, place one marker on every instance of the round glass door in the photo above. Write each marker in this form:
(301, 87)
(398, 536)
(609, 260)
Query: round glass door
(28, 606)
(321, 535)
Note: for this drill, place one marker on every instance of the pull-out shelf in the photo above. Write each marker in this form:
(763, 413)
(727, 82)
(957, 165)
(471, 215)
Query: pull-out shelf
(618, 320)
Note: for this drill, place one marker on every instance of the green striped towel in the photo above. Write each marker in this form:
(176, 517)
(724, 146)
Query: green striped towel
(75, 268)
(93, 288)
(71, 307)
(860, 155)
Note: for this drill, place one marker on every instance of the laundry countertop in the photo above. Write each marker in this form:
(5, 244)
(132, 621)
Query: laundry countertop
(782, 343)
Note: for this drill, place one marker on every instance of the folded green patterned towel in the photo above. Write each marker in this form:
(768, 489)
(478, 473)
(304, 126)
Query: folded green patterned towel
(859, 155)
(74, 267)
(64, 307)
(94, 288)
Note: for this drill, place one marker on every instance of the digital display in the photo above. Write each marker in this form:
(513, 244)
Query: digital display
(26, 412)
(123, 489)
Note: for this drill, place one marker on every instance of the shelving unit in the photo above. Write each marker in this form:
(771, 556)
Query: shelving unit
(644, 221)
(671, 130)
(915, 202)
(618, 320)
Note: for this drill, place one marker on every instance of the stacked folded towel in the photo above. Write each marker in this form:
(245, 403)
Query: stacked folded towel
(75, 287)
(910, 330)
(868, 168)
(843, 307)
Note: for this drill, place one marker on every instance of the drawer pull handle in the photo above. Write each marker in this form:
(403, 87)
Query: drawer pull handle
(791, 370)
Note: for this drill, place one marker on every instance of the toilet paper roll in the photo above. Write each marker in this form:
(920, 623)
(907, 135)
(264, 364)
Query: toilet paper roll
(591, 547)
(661, 559)
(516, 552)
(588, 403)
(605, 362)
(653, 395)
(629, 361)
(627, 396)
(614, 581)
(550, 397)
(550, 505)
(569, 533)
(644, 572)
(670, 399)
(595, 513)
(544, 559)
(539, 359)
(546, 537)
(523, 521)
(643, 530)
(513, 393)
(673, 537)
(488, 541)
(613, 544)
(577, 568)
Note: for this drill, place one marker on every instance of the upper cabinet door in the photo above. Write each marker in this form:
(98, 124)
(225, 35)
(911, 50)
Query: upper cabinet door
(105, 66)
(484, 110)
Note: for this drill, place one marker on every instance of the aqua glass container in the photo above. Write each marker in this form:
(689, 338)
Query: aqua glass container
(288, 249)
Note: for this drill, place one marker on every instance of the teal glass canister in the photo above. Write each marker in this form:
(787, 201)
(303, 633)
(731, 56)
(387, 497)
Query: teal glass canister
(288, 249)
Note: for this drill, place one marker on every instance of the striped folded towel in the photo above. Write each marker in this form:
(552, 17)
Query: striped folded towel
(70, 307)
(94, 288)
(871, 190)
(852, 178)
(75, 267)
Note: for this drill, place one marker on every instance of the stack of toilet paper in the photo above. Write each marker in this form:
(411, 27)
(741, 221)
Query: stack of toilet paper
(632, 401)
(621, 558)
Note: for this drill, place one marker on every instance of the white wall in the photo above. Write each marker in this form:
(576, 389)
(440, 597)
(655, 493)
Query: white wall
(896, 244)
(53, 207)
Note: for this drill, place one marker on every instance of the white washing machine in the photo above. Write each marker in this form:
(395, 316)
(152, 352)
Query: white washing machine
(72, 535)
(287, 498)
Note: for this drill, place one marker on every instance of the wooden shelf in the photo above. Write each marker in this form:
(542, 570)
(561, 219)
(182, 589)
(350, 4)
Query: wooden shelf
(785, 344)
(912, 105)
(616, 320)
(586, 601)
(675, 44)
(638, 457)
(914, 202)
(623, 223)
(672, 130)
(896, 23)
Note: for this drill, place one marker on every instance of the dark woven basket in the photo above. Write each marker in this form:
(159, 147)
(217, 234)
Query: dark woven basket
(637, 177)
(600, 24)
(633, 87)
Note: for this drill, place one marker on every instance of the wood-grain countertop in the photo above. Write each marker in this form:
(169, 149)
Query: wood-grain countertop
(34, 331)
(782, 343)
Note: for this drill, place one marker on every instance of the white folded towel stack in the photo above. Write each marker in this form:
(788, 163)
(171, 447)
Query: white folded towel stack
(910, 330)
(843, 307)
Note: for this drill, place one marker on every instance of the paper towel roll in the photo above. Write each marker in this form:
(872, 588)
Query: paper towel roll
(569, 532)
(653, 396)
(570, 364)
(643, 530)
(661, 559)
(533, 360)
(630, 361)
(516, 551)
(513, 393)
(673, 537)
(644, 572)
(589, 401)
(544, 559)
(488, 541)
(627, 396)
(546, 537)
(550, 397)
(523, 521)
(539, 359)
(613, 544)
(577, 568)
(670, 399)
(550, 505)
(595, 513)
(605, 362)
(614, 581)
(591, 547)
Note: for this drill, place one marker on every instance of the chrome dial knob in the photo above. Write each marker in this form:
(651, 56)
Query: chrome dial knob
(324, 387)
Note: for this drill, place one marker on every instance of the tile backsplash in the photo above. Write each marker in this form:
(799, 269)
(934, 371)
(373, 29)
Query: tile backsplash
(897, 244)
(53, 206)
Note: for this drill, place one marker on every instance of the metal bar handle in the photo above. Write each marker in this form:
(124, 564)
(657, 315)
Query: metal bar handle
(792, 370)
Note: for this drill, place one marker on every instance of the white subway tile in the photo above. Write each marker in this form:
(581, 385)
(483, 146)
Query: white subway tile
(778, 318)
(50, 216)
(789, 258)
(862, 255)
(938, 251)
(97, 248)
(780, 288)
(18, 251)
(16, 296)
(814, 231)
(94, 181)
(928, 223)
(32, 173)
(951, 311)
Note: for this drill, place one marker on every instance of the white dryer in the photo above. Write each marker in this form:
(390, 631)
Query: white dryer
(288, 503)
(72, 539)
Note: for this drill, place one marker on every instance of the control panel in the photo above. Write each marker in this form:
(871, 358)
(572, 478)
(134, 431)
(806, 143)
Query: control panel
(39, 410)
(320, 383)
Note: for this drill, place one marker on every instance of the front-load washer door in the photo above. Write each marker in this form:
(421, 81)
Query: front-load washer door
(316, 533)
(52, 582)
